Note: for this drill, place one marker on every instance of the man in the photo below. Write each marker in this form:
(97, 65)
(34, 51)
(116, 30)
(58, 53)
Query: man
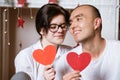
(86, 26)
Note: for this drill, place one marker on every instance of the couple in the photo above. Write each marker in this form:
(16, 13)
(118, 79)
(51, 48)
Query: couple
(85, 25)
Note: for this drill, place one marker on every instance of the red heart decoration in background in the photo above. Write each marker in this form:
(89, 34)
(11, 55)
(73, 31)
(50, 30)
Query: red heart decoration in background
(52, 1)
(78, 62)
(45, 56)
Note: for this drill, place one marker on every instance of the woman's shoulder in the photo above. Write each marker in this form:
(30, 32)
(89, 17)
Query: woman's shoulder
(28, 50)
(65, 47)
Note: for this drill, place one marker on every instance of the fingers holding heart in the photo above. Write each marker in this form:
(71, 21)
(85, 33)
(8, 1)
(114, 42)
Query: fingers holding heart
(49, 72)
(74, 75)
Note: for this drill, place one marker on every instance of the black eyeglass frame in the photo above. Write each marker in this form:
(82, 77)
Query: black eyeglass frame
(54, 27)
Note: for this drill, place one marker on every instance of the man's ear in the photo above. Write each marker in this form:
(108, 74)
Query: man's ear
(97, 23)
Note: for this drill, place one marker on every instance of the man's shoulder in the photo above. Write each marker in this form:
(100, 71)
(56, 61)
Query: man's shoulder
(113, 42)
(113, 45)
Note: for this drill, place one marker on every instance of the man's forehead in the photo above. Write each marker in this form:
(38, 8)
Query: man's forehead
(77, 11)
(82, 8)
(76, 14)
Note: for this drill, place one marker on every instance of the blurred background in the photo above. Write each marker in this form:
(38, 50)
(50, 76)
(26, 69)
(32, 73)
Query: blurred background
(15, 35)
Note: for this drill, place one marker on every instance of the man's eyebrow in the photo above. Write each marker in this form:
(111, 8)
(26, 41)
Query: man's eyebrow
(78, 15)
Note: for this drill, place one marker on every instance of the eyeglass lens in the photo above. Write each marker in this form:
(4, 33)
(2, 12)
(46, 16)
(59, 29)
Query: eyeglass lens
(55, 27)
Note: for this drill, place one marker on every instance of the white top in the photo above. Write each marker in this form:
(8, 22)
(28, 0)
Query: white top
(25, 62)
(106, 67)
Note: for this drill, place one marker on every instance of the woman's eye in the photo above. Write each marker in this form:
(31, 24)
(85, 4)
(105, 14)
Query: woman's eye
(53, 27)
(63, 26)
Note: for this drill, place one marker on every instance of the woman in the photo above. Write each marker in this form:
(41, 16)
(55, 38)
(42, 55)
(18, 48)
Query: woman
(51, 25)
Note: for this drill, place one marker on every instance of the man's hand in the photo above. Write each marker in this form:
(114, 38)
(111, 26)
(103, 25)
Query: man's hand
(49, 72)
(74, 75)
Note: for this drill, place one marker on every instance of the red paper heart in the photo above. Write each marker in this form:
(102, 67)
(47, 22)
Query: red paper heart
(78, 62)
(45, 56)
(52, 1)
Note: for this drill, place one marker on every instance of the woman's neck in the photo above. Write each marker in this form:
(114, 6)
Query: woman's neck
(45, 43)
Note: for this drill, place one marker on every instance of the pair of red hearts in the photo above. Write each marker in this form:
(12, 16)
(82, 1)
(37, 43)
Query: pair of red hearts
(47, 56)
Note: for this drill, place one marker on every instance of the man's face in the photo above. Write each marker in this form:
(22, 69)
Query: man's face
(82, 24)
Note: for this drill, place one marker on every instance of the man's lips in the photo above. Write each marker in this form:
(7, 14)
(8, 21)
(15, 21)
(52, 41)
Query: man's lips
(76, 32)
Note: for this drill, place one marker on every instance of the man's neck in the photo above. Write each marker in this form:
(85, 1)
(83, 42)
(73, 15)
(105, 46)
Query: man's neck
(94, 47)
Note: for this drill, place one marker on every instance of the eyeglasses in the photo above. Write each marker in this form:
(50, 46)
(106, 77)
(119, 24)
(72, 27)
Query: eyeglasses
(54, 27)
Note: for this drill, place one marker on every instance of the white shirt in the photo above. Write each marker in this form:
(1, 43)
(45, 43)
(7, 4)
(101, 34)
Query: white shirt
(106, 67)
(25, 62)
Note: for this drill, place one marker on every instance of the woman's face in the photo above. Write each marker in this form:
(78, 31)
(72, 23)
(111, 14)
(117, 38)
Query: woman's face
(55, 37)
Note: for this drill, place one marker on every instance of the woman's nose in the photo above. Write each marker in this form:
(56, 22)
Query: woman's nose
(60, 29)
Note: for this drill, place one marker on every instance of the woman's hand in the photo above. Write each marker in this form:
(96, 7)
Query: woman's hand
(74, 75)
(49, 72)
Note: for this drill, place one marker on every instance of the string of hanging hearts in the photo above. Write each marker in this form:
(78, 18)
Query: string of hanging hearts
(22, 3)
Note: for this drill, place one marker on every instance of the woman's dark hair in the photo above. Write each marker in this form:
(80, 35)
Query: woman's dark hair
(46, 13)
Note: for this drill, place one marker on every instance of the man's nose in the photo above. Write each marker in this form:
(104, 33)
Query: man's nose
(73, 25)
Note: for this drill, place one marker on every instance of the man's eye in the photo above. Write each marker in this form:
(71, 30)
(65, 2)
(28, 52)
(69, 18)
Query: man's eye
(78, 19)
(70, 23)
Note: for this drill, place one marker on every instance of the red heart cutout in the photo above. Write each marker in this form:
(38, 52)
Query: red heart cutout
(78, 62)
(45, 56)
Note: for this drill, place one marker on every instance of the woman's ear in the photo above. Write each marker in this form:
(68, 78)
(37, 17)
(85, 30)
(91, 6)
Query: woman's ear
(97, 23)
(42, 31)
